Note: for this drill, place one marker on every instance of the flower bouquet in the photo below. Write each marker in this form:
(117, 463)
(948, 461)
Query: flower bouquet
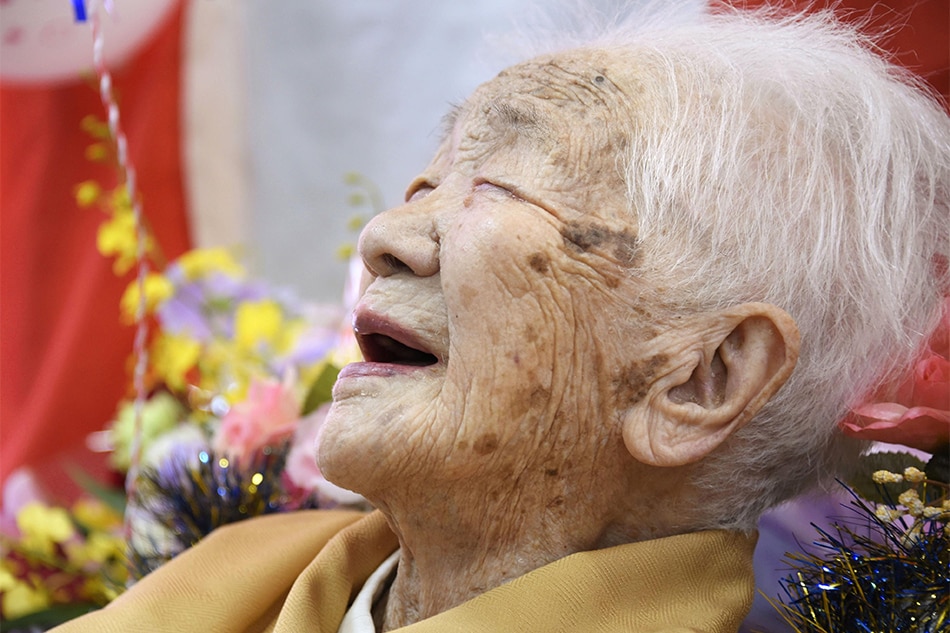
(232, 382)
(239, 381)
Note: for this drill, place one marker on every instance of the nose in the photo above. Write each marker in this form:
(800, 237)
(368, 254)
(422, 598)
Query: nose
(403, 239)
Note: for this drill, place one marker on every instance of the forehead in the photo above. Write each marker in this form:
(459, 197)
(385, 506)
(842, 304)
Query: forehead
(594, 91)
(578, 80)
(559, 124)
(570, 112)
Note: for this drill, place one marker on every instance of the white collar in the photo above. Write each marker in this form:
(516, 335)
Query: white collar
(359, 617)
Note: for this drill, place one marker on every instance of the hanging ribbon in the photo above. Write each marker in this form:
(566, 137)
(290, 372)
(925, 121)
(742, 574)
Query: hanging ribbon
(79, 7)
(127, 173)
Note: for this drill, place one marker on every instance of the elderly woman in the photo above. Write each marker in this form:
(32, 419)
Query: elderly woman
(579, 335)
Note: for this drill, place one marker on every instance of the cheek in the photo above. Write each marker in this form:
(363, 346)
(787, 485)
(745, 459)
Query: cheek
(510, 326)
(498, 276)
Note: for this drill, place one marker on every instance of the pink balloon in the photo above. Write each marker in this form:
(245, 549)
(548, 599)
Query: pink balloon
(42, 43)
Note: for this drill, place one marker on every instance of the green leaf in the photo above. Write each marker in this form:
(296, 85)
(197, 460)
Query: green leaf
(112, 497)
(862, 483)
(48, 618)
(321, 390)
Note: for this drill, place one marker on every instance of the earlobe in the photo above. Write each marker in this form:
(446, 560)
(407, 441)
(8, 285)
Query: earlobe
(724, 367)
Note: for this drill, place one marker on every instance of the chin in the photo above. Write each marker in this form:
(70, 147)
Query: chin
(342, 449)
(354, 449)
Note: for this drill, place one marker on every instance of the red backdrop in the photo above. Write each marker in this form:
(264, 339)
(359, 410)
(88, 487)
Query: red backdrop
(63, 354)
(919, 31)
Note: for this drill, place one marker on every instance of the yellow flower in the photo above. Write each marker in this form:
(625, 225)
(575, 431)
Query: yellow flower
(910, 499)
(886, 477)
(87, 193)
(98, 548)
(97, 152)
(885, 513)
(93, 514)
(121, 203)
(104, 591)
(7, 580)
(94, 126)
(117, 236)
(289, 334)
(216, 357)
(158, 289)
(201, 261)
(43, 526)
(256, 323)
(173, 356)
(914, 475)
(54, 523)
(931, 512)
(22, 599)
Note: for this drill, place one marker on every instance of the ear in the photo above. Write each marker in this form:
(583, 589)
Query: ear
(720, 368)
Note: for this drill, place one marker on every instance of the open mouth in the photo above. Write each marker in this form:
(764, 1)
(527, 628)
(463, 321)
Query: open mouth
(380, 348)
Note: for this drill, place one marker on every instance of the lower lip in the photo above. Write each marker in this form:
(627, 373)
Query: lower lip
(354, 370)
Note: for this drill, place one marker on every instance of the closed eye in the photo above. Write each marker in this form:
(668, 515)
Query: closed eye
(484, 185)
(418, 190)
(514, 192)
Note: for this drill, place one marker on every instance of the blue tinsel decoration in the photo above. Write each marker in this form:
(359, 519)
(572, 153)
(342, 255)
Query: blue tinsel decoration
(191, 495)
(877, 578)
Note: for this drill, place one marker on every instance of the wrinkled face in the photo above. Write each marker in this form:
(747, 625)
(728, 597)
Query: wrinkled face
(504, 325)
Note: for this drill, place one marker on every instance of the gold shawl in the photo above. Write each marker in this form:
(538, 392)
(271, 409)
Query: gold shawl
(298, 571)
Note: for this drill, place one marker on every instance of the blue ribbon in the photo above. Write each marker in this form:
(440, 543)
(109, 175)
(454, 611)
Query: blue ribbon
(79, 6)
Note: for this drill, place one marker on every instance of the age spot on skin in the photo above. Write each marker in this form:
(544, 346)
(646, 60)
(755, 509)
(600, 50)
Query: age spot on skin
(539, 262)
(486, 444)
(539, 397)
(583, 237)
(533, 398)
(530, 334)
(633, 382)
(467, 293)
(623, 245)
(626, 248)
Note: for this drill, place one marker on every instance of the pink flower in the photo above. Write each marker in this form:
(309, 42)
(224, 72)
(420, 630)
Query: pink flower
(920, 415)
(19, 490)
(268, 415)
(301, 466)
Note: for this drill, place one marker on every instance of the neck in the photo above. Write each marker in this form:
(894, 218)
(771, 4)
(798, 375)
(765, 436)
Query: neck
(448, 561)
(455, 550)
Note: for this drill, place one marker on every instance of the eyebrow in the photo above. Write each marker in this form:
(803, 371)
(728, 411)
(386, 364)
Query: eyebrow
(521, 118)
(518, 117)
(448, 121)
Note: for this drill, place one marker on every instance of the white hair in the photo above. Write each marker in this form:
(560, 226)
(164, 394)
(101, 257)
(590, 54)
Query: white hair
(778, 158)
